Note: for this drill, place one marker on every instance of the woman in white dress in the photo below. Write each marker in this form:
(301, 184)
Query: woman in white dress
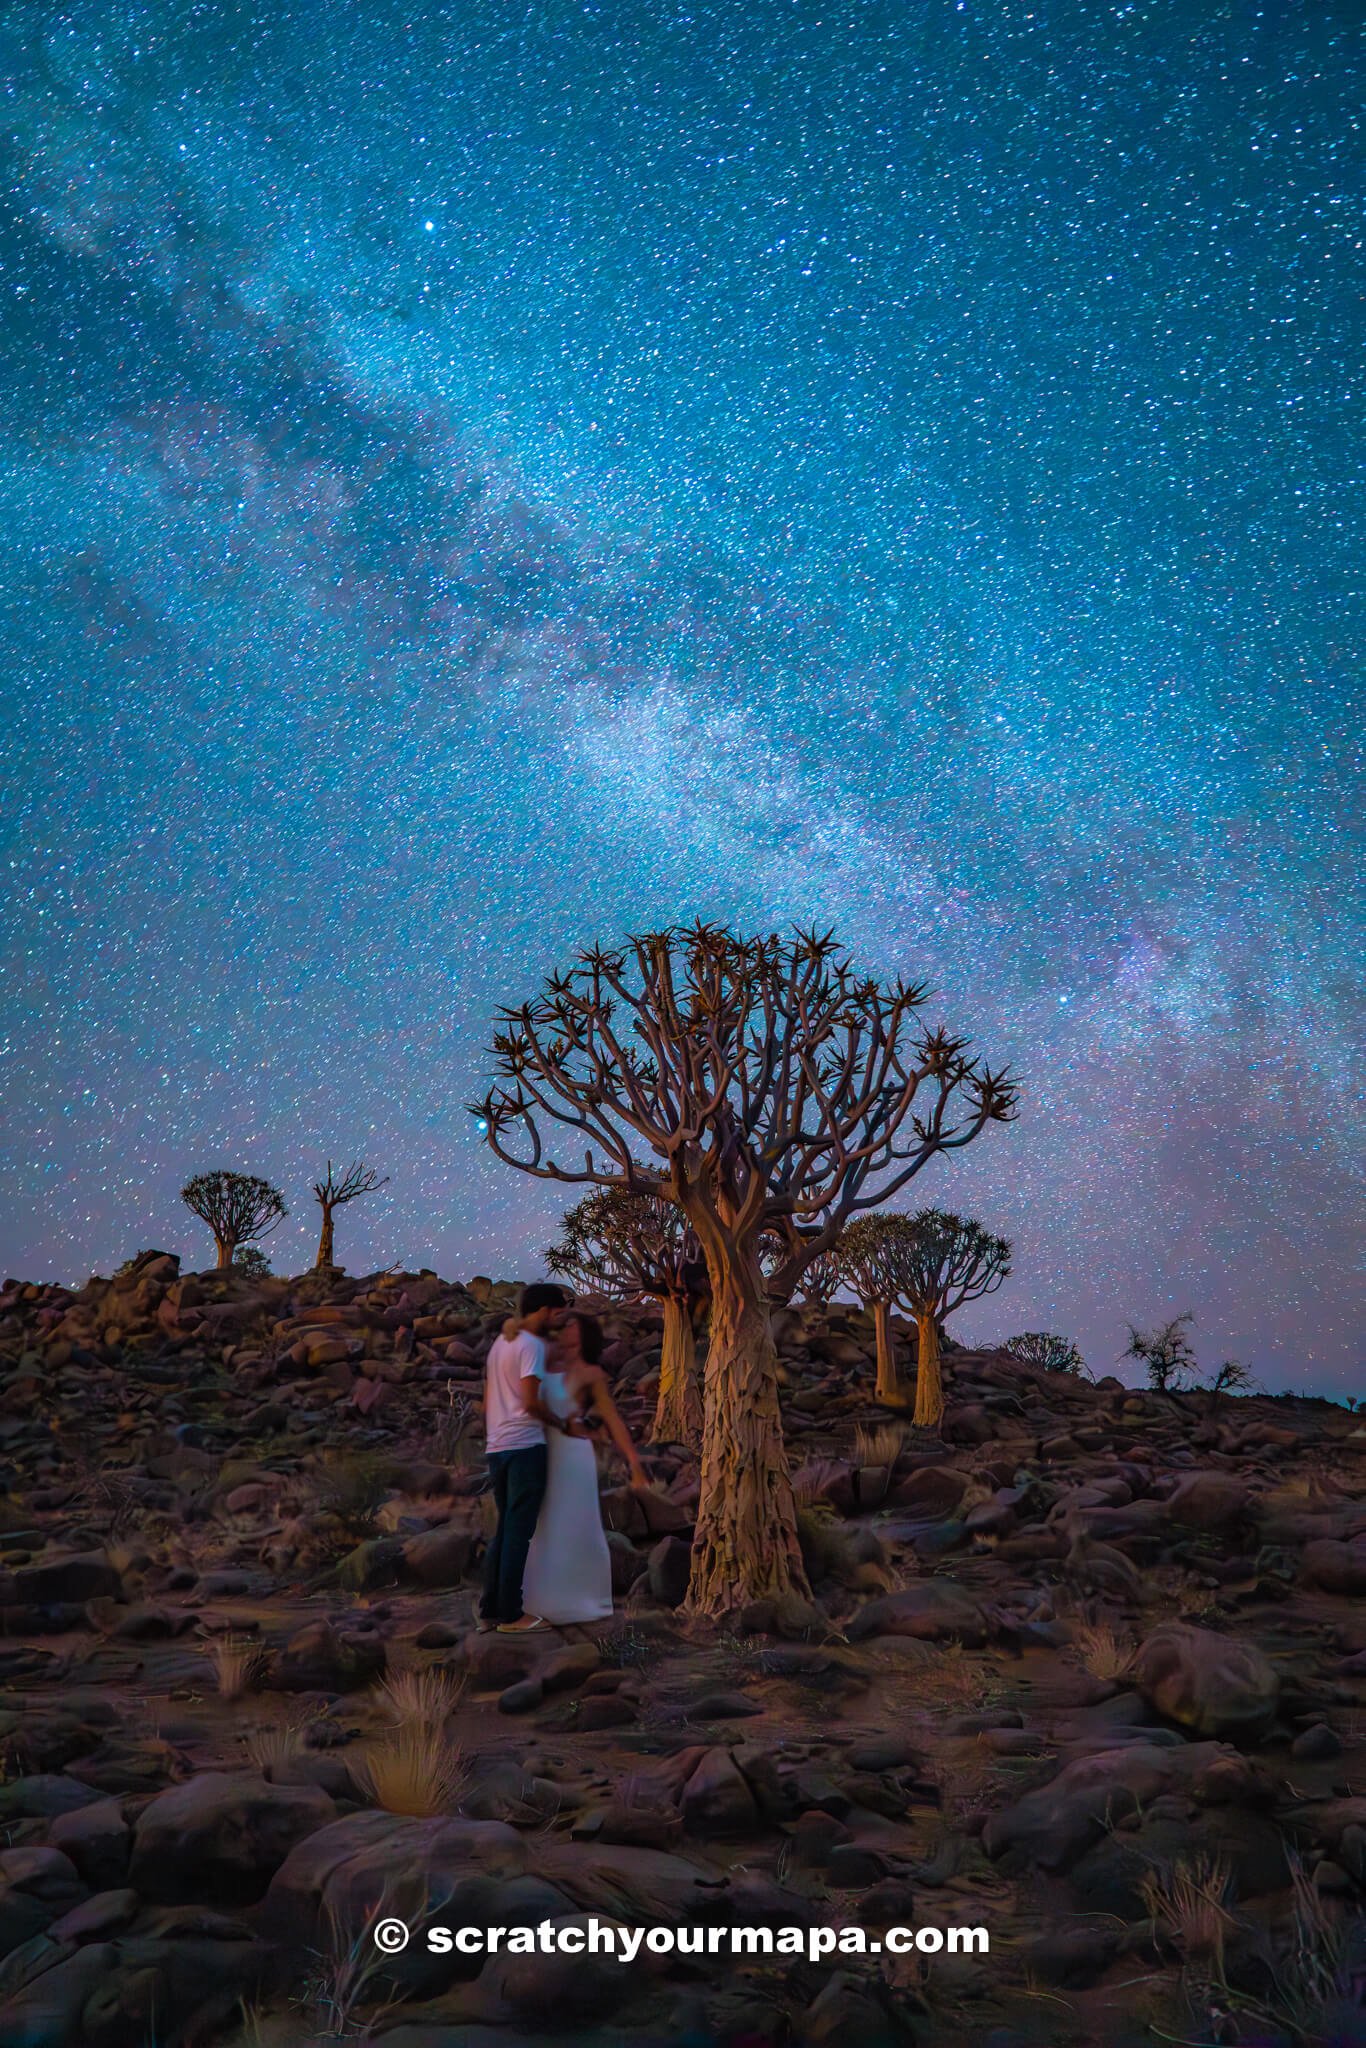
(568, 1574)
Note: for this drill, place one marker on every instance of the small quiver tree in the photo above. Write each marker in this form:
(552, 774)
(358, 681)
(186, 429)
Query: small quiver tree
(766, 1085)
(640, 1247)
(238, 1208)
(946, 1261)
(872, 1264)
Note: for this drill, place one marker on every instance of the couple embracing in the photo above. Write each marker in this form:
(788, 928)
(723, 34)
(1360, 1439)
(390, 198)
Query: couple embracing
(545, 1395)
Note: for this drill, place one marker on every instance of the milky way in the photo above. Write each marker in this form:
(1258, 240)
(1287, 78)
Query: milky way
(482, 480)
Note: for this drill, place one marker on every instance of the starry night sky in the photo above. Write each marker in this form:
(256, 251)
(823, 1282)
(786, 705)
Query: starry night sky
(487, 478)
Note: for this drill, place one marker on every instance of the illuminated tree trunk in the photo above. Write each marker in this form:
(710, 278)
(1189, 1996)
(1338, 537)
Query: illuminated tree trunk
(745, 1546)
(325, 1257)
(226, 1247)
(888, 1379)
(929, 1386)
(678, 1410)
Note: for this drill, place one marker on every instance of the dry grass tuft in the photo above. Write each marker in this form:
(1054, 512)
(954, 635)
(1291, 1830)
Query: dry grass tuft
(417, 1698)
(414, 1770)
(1104, 1653)
(269, 1748)
(237, 1663)
(881, 1446)
(1189, 1901)
(809, 1481)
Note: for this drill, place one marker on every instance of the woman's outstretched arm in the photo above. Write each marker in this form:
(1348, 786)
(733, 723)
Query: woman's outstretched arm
(616, 1428)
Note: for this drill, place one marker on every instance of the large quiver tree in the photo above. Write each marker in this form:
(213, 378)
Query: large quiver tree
(768, 1087)
(641, 1247)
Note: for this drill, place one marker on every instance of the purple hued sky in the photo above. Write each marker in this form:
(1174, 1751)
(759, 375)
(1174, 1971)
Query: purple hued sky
(483, 479)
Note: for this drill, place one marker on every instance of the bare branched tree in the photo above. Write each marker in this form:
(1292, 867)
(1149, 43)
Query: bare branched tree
(1233, 1377)
(767, 1086)
(1166, 1353)
(334, 1192)
(641, 1247)
(238, 1208)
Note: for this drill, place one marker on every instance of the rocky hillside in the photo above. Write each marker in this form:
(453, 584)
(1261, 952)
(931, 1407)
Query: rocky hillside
(1091, 1675)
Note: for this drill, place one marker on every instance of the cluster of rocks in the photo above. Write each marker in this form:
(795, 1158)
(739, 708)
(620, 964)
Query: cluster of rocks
(1088, 1658)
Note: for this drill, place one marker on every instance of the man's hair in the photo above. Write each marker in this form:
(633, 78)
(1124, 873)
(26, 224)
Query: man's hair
(591, 1339)
(540, 1294)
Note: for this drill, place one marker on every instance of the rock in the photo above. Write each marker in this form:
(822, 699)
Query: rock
(439, 1557)
(723, 1706)
(492, 1662)
(669, 1566)
(44, 1795)
(318, 1658)
(935, 1610)
(221, 1838)
(1337, 1567)
(934, 1491)
(1208, 1500)
(716, 1802)
(521, 1697)
(81, 1576)
(98, 1841)
(1109, 1877)
(1212, 1684)
(1316, 1744)
(1059, 1821)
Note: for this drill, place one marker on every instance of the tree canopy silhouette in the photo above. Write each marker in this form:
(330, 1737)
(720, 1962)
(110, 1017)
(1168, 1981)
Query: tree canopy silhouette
(238, 1208)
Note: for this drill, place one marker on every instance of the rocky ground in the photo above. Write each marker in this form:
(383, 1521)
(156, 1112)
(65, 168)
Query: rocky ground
(1093, 1677)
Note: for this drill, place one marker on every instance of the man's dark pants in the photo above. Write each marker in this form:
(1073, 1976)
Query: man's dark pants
(518, 1490)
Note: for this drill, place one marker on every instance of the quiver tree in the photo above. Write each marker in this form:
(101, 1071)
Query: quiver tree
(238, 1208)
(641, 1247)
(1049, 1353)
(946, 1261)
(334, 1192)
(765, 1086)
(872, 1264)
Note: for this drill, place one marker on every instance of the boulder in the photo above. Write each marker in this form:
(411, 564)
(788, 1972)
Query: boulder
(1212, 1684)
(221, 1839)
(716, 1802)
(1059, 1821)
(935, 1610)
(319, 1658)
(1208, 1500)
(1337, 1567)
(439, 1557)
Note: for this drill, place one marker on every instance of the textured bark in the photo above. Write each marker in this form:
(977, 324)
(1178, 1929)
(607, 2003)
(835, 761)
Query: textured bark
(745, 1547)
(929, 1386)
(324, 1257)
(226, 1248)
(678, 1411)
(888, 1379)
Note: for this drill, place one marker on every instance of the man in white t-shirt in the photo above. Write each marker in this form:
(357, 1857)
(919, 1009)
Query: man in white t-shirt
(516, 1452)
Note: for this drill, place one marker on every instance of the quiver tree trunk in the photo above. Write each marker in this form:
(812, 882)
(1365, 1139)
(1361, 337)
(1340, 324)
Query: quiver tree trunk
(325, 1257)
(678, 1410)
(889, 1387)
(929, 1385)
(745, 1547)
(226, 1247)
